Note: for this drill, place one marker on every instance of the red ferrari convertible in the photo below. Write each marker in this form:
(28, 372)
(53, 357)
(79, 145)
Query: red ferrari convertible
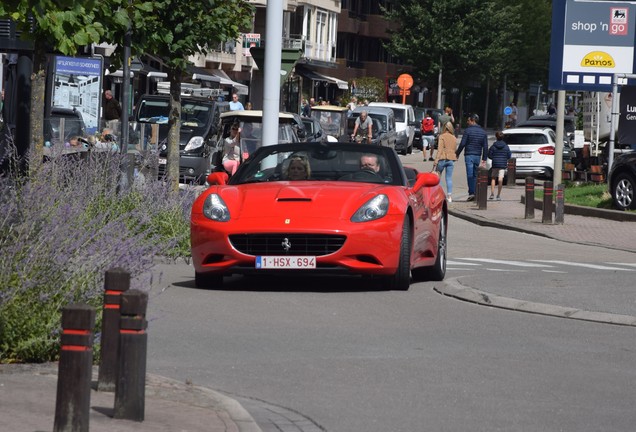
(335, 208)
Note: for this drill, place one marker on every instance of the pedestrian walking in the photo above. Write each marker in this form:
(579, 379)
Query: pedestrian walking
(112, 110)
(446, 157)
(428, 134)
(474, 143)
(499, 153)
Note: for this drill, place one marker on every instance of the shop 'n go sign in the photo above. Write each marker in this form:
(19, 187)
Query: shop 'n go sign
(591, 41)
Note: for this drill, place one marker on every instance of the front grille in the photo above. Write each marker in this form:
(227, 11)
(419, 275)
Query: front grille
(300, 244)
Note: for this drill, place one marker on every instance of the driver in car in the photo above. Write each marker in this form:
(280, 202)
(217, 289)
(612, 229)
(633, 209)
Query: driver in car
(370, 162)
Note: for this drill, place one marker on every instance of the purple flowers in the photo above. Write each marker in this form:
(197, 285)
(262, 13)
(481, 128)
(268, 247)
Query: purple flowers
(61, 228)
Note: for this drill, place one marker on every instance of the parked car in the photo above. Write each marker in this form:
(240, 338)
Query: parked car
(357, 213)
(622, 181)
(314, 130)
(332, 118)
(299, 126)
(405, 125)
(197, 136)
(64, 124)
(533, 149)
(420, 113)
(384, 128)
(541, 121)
(550, 121)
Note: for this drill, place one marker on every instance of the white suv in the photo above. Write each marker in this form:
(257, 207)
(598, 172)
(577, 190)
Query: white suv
(404, 125)
(534, 150)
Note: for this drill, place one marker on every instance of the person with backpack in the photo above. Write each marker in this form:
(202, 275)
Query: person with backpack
(428, 134)
(499, 153)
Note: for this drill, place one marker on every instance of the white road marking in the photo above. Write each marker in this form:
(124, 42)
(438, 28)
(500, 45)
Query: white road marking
(586, 265)
(512, 263)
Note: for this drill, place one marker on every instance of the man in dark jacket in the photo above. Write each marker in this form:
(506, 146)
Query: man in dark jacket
(111, 108)
(475, 143)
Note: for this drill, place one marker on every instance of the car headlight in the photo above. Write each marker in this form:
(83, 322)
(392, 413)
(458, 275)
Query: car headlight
(194, 143)
(214, 208)
(373, 209)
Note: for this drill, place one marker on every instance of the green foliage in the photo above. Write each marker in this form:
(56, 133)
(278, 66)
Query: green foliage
(584, 194)
(472, 39)
(61, 228)
(370, 88)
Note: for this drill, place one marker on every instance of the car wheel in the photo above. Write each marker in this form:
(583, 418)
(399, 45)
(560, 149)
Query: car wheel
(207, 280)
(623, 193)
(437, 271)
(402, 277)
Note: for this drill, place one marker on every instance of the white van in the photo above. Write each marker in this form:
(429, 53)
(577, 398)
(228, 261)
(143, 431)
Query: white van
(404, 123)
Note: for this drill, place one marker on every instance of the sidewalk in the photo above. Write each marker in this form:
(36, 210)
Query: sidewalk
(585, 228)
(582, 303)
(28, 396)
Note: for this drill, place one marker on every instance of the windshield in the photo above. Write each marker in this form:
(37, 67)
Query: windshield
(322, 162)
(251, 134)
(331, 121)
(193, 113)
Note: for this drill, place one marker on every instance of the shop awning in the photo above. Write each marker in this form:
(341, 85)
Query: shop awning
(315, 76)
(241, 89)
(342, 85)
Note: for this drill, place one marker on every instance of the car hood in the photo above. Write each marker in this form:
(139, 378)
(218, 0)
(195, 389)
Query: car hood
(298, 199)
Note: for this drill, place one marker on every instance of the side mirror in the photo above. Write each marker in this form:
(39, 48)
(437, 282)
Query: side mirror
(217, 178)
(425, 180)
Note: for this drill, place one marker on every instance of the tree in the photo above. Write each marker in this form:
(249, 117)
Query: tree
(471, 40)
(174, 30)
(57, 26)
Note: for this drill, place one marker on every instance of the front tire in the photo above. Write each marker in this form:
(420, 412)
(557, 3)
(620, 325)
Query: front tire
(401, 280)
(437, 271)
(623, 194)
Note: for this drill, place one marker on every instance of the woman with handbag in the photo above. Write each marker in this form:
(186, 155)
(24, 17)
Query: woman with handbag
(446, 157)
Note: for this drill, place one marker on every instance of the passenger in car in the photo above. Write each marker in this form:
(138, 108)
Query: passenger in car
(298, 168)
(232, 151)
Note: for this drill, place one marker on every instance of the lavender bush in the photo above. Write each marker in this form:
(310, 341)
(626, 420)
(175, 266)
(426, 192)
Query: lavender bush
(61, 227)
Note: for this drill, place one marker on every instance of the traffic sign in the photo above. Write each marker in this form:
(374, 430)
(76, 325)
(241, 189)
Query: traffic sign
(507, 110)
(405, 81)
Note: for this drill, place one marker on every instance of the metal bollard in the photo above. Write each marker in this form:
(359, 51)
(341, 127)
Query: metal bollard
(75, 369)
(559, 211)
(133, 343)
(482, 188)
(511, 178)
(117, 281)
(529, 198)
(547, 202)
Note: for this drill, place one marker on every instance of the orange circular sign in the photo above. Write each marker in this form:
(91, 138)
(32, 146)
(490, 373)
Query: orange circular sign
(405, 81)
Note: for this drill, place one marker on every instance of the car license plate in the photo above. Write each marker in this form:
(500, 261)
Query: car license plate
(285, 262)
(522, 155)
(162, 161)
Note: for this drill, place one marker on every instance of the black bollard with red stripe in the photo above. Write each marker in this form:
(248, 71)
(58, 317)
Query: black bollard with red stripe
(133, 344)
(529, 198)
(548, 194)
(117, 281)
(75, 370)
(559, 210)
(482, 188)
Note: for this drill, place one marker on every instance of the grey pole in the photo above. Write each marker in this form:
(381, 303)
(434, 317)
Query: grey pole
(558, 151)
(272, 65)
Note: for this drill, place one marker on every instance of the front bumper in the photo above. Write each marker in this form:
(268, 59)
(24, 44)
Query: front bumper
(370, 248)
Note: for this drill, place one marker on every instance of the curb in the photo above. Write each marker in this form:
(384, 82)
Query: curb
(454, 289)
(617, 215)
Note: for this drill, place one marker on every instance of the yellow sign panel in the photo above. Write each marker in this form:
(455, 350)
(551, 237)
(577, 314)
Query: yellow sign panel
(598, 59)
